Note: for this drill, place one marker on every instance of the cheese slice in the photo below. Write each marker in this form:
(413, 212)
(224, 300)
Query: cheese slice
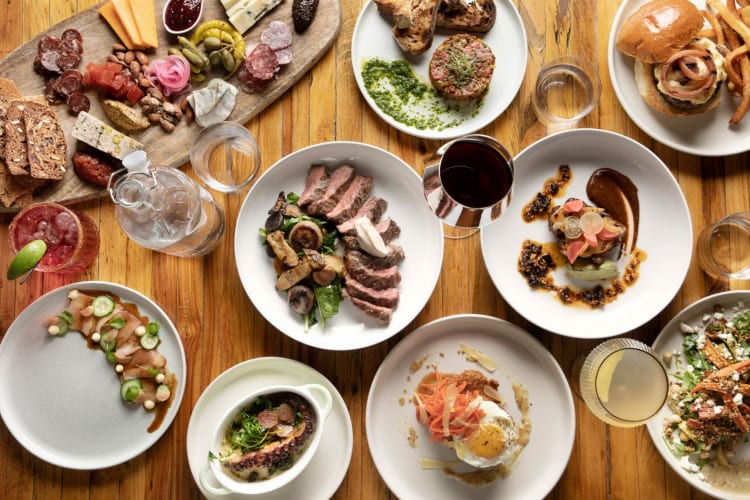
(122, 8)
(245, 14)
(107, 11)
(144, 12)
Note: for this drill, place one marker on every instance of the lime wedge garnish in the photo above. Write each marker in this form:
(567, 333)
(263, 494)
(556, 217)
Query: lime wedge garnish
(26, 259)
(604, 377)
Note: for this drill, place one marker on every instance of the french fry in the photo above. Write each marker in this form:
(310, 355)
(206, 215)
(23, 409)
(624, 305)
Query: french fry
(718, 34)
(732, 20)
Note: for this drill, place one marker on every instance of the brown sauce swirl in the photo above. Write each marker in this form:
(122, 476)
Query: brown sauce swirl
(617, 194)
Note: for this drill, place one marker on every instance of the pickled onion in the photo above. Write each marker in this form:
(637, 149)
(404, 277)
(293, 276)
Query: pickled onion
(171, 75)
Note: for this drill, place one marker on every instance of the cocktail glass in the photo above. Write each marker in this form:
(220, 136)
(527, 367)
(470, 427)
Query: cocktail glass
(71, 236)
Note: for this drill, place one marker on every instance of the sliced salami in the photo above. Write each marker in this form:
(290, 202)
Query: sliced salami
(70, 82)
(278, 35)
(50, 91)
(248, 83)
(284, 56)
(68, 59)
(78, 102)
(72, 45)
(262, 62)
(49, 42)
(72, 33)
(50, 61)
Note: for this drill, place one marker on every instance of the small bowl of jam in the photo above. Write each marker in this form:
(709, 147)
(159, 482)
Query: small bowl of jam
(181, 16)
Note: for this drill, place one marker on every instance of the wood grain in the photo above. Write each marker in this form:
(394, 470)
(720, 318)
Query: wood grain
(171, 149)
(220, 327)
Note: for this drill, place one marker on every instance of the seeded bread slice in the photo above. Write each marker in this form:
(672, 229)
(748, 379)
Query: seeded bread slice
(15, 152)
(16, 189)
(45, 142)
(417, 38)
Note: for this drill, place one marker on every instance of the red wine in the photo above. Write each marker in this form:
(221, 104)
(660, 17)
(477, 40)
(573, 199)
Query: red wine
(474, 174)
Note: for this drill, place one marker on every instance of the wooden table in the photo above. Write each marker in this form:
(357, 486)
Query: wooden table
(204, 295)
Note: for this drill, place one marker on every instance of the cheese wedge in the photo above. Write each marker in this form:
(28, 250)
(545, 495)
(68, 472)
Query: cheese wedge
(107, 11)
(144, 13)
(124, 14)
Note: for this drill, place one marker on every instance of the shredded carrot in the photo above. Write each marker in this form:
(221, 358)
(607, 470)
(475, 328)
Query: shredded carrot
(433, 399)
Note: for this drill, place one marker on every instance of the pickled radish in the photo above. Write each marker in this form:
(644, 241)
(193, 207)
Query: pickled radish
(591, 223)
(573, 206)
(574, 249)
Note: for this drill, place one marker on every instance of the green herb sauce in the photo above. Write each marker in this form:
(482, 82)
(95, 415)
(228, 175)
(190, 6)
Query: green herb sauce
(400, 94)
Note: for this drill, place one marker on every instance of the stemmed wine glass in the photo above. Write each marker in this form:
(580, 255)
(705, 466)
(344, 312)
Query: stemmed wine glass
(471, 184)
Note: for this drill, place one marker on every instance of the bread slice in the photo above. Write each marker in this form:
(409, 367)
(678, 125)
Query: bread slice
(14, 149)
(15, 188)
(9, 89)
(398, 10)
(417, 38)
(45, 141)
(476, 16)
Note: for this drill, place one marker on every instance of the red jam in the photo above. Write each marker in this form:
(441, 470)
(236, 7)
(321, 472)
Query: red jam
(182, 14)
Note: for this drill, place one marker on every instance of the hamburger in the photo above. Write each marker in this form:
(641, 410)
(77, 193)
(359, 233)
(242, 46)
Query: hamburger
(677, 72)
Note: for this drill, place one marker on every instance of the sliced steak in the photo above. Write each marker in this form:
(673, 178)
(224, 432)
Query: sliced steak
(373, 209)
(395, 255)
(382, 315)
(378, 279)
(352, 200)
(387, 297)
(315, 185)
(338, 183)
(387, 229)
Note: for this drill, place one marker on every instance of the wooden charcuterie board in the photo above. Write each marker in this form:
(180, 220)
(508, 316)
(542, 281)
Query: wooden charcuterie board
(172, 149)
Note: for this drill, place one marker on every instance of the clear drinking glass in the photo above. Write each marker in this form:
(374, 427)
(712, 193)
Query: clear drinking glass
(471, 185)
(566, 90)
(623, 382)
(723, 248)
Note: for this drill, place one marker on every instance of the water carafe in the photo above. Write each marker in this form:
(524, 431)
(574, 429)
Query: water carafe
(163, 209)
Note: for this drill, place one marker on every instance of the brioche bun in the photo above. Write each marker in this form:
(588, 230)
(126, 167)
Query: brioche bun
(644, 78)
(658, 29)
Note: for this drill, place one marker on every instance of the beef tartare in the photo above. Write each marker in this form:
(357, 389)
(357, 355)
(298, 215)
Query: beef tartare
(461, 67)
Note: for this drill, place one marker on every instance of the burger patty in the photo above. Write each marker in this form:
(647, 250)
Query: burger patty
(461, 67)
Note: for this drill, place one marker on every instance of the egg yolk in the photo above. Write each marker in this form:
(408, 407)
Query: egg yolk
(488, 441)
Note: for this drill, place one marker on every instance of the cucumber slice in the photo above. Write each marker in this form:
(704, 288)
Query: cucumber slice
(103, 305)
(149, 341)
(130, 389)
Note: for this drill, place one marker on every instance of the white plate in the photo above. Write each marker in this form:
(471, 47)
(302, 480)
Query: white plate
(670, 340)
(520, 358)
(373, 38)
(706, 134)
(61, 400)
(421, 238)
(665, 233)
(326, 471)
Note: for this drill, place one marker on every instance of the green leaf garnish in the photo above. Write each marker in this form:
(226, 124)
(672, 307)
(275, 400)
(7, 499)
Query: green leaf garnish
(152, 328)
(66, 316)
(117, 323)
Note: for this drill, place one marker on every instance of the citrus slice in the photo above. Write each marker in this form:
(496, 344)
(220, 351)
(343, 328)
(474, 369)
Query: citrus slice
(26, 259)
(604, 376)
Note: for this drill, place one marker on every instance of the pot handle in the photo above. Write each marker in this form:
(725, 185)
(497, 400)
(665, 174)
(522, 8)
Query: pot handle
(326, 401)
(205, 482)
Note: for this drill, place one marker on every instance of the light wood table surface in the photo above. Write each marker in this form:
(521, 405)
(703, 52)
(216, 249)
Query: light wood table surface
(220, 327)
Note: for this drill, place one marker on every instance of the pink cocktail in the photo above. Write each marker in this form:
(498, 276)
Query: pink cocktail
(71, 236)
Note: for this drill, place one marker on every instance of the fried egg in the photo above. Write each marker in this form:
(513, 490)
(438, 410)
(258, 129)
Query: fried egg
(493, 443)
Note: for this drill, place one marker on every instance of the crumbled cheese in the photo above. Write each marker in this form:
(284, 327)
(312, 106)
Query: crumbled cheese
(685, 328)
(737, 399)
(689, 466)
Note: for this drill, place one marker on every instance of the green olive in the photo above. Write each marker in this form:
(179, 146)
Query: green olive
(214, 57)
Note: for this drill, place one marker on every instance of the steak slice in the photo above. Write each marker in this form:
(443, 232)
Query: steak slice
(352, 200)
(315, 185)
(378, 279)
(373, 209)
(382, 315)
(338, 183)
(387, 297)
(387, 229)
(394, 256)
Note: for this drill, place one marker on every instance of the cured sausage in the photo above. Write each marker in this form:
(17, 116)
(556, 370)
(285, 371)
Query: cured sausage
(70, 82)
(277, 36)
(92, 169)
(50, 61)
(49, 42)
(248, 82)
(67, 59)
(78, 102)
(262, 62)
(50, 91)
(72, 33)
(72, 45)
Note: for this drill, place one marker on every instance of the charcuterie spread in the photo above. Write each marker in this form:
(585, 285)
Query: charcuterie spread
(113, 80)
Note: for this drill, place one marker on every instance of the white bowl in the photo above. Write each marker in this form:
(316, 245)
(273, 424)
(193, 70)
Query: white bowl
(183, 31)
(320, 400)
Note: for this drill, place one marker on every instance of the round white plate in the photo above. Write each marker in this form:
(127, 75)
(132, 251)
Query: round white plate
(520, 358)
(665, 233)
(61, 400)
(373, 38)
(706, 134)
(326, 471)
(421, 238)
(670, 340)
